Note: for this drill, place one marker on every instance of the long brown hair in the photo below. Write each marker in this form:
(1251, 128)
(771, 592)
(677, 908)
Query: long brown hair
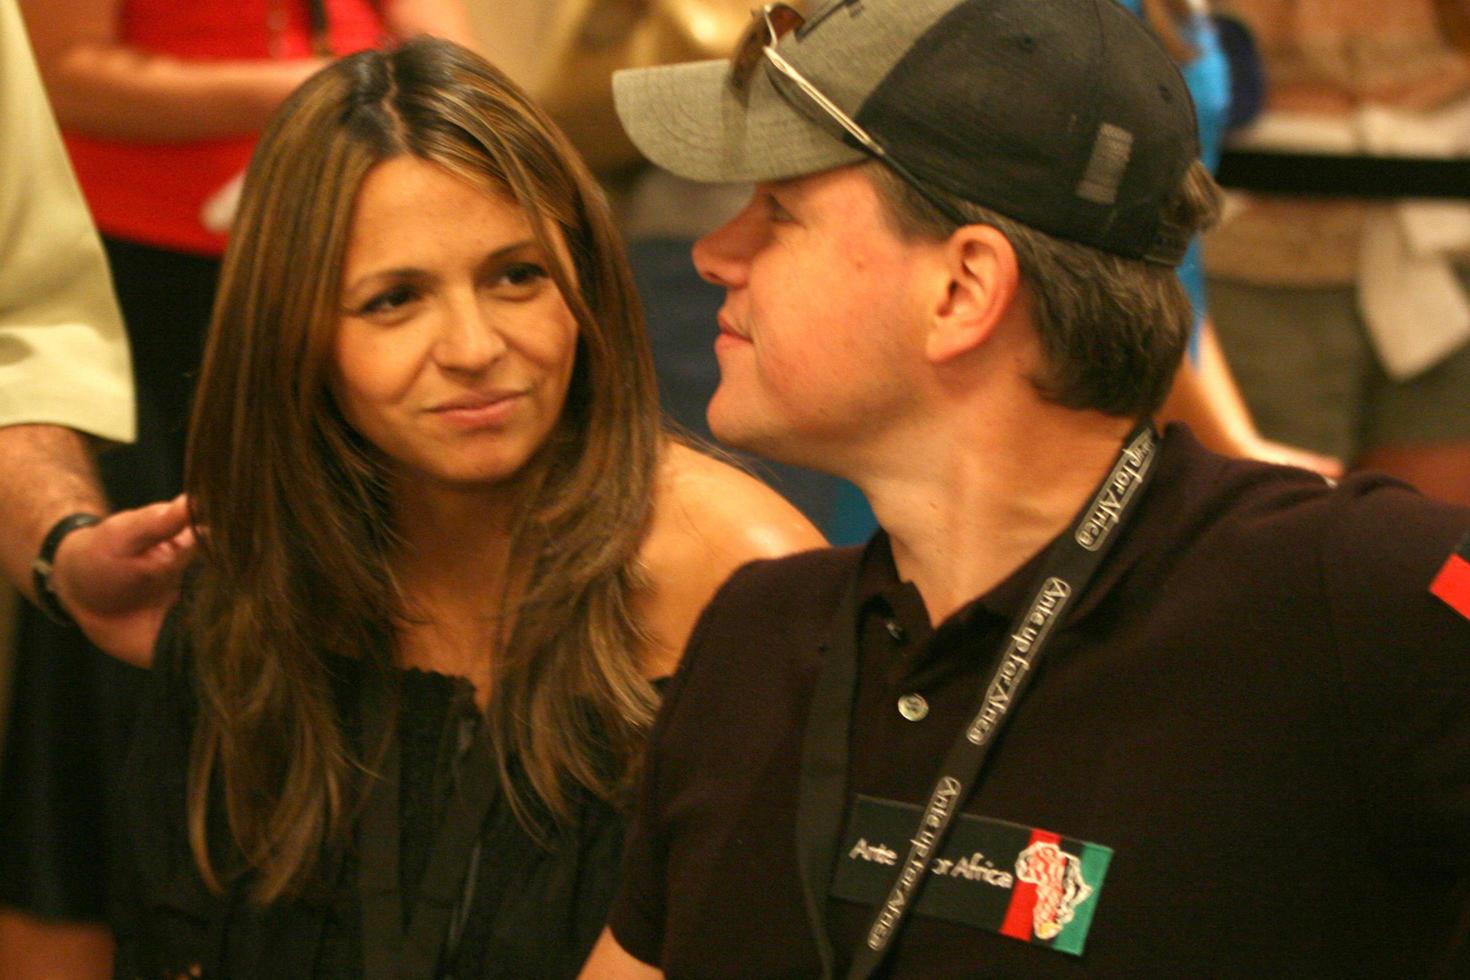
(296, 564)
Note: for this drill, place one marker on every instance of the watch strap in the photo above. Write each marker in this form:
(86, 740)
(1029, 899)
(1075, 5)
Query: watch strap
(45, 563)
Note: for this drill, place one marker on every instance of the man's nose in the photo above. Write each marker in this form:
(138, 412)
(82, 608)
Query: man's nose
(723, 256)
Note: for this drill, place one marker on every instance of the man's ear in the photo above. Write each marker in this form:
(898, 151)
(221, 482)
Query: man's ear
(983, 282)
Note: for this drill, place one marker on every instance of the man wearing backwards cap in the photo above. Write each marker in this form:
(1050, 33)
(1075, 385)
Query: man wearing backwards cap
(1093, 702)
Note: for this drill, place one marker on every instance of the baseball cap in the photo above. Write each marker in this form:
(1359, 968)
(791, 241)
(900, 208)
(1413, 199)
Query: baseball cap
(1065, 115)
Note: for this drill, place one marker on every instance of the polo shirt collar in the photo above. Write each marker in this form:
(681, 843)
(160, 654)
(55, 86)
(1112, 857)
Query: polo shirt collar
(879, 585)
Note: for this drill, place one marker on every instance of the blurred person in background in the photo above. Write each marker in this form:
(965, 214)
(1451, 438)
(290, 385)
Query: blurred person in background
(1347, 322)
(160, 102)
(1205, 394)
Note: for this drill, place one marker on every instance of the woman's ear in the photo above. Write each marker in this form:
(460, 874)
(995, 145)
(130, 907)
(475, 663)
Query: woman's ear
(983, 281)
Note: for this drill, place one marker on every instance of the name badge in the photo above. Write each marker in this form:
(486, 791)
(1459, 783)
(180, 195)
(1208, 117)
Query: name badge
(1029, 884)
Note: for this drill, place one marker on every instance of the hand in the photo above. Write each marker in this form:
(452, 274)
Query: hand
(119, 578)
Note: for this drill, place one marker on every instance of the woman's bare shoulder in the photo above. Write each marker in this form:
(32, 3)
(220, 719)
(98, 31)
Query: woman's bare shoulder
(722, 508)
(709, 519)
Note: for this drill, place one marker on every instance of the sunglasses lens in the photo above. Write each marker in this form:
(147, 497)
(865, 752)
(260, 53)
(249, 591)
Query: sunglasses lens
(747, 54)
(783, 20)
(766, 28)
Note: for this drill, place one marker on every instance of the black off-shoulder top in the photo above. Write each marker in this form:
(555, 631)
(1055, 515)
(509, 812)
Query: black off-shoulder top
(535, 910)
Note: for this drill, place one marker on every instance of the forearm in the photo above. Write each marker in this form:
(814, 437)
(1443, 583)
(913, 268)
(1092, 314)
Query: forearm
(101, 86)
(1204, 395)
(46, 472)
(1414, 94)
(115, 92)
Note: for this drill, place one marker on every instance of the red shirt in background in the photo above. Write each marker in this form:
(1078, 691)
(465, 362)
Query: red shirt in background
(153, 192)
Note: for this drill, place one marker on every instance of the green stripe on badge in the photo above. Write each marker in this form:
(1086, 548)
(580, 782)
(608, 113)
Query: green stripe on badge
(1095, 861)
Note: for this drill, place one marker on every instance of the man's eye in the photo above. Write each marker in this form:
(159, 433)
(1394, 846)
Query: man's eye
(775, 211)
(388, 301)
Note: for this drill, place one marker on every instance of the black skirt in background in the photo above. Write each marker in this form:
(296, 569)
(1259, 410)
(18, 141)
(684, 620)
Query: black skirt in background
(71, 706)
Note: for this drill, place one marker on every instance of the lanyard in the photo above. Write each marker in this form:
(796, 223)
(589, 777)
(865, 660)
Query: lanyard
(1069, 566)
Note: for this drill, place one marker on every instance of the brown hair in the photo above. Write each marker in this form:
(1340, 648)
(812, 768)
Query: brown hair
(296, 556)
(1113, 329)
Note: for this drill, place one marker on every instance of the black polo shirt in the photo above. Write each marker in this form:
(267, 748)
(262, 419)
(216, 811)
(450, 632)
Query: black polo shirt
(1258, 710)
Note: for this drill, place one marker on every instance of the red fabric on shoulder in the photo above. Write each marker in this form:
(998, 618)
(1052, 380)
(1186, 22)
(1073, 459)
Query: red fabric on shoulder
(1452, 584)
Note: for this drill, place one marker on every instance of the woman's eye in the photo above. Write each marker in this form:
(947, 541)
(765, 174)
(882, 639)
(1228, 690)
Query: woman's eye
(388, 301)
(522, 274)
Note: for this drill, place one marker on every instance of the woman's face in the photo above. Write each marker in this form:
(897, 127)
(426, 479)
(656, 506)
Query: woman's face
(454, 348)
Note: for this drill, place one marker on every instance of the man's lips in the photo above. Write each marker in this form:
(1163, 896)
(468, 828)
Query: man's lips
(728, 329)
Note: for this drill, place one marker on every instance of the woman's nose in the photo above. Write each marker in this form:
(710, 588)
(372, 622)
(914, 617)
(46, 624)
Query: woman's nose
(468, 338)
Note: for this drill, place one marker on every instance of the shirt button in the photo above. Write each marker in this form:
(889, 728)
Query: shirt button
(896, 631)
(913, 707)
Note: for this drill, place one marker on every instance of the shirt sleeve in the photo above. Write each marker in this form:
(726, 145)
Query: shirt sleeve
(637, 917)
(63, 352)
(1405, 668)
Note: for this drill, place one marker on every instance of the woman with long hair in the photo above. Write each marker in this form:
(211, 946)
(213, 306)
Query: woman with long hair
(160, 103)
(446, 553)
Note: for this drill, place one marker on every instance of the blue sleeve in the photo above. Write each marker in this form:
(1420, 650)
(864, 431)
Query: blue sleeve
(1208, 79)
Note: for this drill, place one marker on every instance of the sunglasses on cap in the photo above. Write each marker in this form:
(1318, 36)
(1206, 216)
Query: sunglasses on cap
(758, 43)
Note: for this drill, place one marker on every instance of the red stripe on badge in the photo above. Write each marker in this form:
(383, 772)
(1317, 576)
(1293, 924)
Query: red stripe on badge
(1452, 584)
(1021, 914)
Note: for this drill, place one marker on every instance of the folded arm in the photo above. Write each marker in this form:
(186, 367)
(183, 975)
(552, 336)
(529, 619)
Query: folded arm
(100, 86)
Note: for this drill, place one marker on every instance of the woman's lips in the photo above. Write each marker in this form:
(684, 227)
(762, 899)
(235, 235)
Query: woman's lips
(479, 411)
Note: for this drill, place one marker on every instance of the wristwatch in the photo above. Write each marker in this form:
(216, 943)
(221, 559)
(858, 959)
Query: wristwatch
(41, 569)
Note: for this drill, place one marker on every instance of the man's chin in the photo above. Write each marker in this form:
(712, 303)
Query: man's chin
(739, 437)
(767, 442)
